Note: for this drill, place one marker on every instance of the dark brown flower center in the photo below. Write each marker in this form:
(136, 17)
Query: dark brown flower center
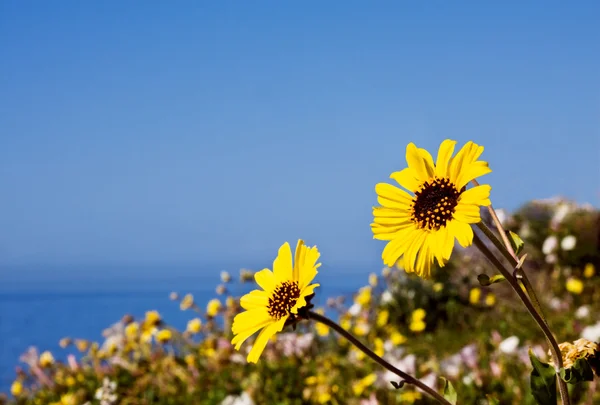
(434, 204)
(283, 299)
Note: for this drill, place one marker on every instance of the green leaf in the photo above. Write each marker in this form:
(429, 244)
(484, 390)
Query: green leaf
(485, 280)
(580, 371)
(516, 242)
(449, 392)
(543, 381)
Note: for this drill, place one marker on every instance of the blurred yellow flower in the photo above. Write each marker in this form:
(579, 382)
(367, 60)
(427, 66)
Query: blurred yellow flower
(361, 328)
(574, 285)
(152, 318)
(364, 296)
(82, 345)
(284, 292)
(230, 302)
(379, 347)
(132, 330)
(382, 318)
(225, 277)
(373, 280)
(490, 299)
(474, 296)
(321, 329)
(164, 336)
(46, 359)
(437, 287)
(397, 338)
(16, 388)
(422, 227)
(190, 359)
(187, 302)
(64, 342)
(213, 307)
(194, 325)
(346, 321)
(358, 387)
(589, 270)
(409, 396)
(417, 320)
(147, 334)
(70, 381)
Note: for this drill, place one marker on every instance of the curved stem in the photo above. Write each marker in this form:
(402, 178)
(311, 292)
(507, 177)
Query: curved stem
(554, 349)
(406, 377)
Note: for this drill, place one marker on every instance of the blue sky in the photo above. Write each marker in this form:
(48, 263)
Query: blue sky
(136, 133)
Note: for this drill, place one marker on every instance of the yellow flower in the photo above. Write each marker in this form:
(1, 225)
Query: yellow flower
(132, 330)
(379, 347)
(46, 359)
(361, 328)
(364, 296)
(190, 359)
(213, 307)
(230, 302)
(284, 292)
(382, 318)
(147, 333)
(187, 302)
(16, 388)
(321, 329)
(164, 336)
(589, 270)
(474, 296)
(437, 287)
(64, 342)
(70, 381)
(580, 349)
(575, 286)
(397, 338)
(422, 227)
(82, 345)
(410, 396)
(358, 387)
(373, 280)
(346, 321)
(490, 299)
(417, 322)
(68, 399)
(152, 318)
(194, 325)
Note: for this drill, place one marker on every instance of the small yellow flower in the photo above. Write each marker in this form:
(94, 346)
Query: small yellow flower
(379, 347)
(225, 277)
(147, 334)
(284, 292)
(187, 302)
(397, 338)
(132, 330)
(321, 329)
(190, 359)
(358, 387)
(417, 323)
(46, 359)
(409, 397)
(589, 270)
(346, 321)
(152, 318)
(16, 389)
(437, 287)
(574, 285)
(382, 318)
(194, 325)
(70, 381)
(213, 307)
(361, 328)
(64, 342)
(230, 302)
(164, 336)
(364, 296)
(82, 345)
(421, 227)
(68, 399)
(373, 280)
(490, 299)
(474, 296)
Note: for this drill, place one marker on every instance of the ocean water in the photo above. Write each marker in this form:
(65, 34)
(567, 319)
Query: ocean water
(42, 315)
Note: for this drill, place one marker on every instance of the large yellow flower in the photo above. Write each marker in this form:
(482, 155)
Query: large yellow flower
(421, 227)
(284, 292)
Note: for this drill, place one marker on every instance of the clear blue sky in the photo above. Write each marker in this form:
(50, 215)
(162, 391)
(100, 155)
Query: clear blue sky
(212, 131)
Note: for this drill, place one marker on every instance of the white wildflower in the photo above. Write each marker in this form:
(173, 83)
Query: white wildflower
(568, 242)
(509, 345)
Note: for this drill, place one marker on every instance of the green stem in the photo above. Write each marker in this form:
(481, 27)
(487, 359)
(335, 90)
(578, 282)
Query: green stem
(405, 377)
(554, 349)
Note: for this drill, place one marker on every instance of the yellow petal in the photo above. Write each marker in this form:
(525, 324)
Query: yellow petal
(415, 161)
(298, 258)
(413, 249)
(462, 232)
(393, 197)
(443, 158)
(240, 338)
(391, 212)
(407, 179)
(250, 319)
(425, 258)
(266, 280)
(301, 302)
(476, 195)
(469, 214)
(308, 270)
(456, 162)
(387, 232)
(470, 172)
(254, 299)
(428, 162)
(397, 247)
(282, 265)
(263, 338)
